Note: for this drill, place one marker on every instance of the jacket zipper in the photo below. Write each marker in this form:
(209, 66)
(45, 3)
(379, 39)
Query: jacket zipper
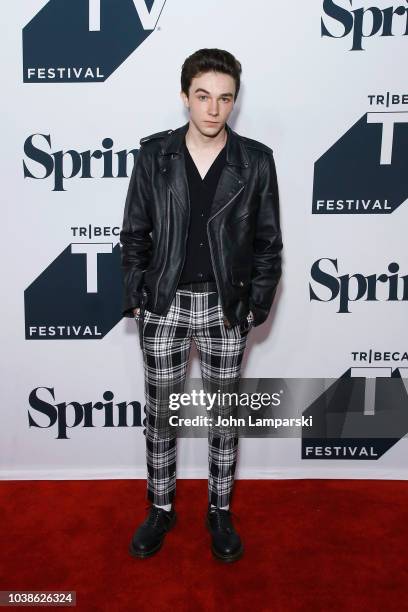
(210, 243)
(167, 248)
(181, 267)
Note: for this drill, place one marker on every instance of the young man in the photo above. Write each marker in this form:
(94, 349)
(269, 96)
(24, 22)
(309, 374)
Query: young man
(201, 246)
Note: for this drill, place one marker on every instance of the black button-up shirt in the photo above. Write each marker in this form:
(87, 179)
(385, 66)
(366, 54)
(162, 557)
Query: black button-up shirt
(198, 265)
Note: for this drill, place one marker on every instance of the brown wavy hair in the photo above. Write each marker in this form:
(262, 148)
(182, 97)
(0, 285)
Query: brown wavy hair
(206, 60)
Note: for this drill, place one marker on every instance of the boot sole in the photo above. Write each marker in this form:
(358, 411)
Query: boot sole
(149, 553)
(221, 557)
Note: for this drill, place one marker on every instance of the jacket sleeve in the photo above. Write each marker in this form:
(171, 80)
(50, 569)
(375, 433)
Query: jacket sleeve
(135, 239)
(267, 245)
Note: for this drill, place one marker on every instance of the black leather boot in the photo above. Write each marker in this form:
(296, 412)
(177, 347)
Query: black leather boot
(226, 544)
(149, 537)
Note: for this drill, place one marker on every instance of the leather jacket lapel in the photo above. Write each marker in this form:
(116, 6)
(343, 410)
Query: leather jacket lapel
(229, 185)
(172, 167)
(234, 175)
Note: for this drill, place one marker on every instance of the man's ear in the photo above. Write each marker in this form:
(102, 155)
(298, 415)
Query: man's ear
(184, 99)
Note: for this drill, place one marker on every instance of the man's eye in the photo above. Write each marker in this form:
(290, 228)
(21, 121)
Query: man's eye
(202, 97)
(225, 99)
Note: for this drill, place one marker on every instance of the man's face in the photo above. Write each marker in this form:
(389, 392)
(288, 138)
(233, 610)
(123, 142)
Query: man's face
(210, 100)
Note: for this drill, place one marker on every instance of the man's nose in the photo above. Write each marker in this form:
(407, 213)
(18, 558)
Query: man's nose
(213, 107)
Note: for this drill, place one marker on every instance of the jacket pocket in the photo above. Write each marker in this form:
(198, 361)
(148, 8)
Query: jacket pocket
(241, 276)
(245, 217)
(240, 218)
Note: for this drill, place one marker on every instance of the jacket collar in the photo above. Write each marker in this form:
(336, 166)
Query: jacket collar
(236, 154)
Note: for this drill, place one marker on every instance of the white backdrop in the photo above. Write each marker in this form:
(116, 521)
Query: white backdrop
(300, 94)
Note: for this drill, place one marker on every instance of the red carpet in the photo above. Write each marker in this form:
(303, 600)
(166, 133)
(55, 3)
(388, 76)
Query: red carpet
(309, 545)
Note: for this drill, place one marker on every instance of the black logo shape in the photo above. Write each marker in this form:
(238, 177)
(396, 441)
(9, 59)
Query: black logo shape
(365, 171)
(78, 297)
(85, 40)
(343, 430)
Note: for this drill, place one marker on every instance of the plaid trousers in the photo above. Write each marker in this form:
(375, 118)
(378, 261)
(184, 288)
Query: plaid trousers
(166, 348)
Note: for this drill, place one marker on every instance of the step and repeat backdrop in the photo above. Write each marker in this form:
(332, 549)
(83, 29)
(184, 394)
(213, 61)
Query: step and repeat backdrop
(324, 85)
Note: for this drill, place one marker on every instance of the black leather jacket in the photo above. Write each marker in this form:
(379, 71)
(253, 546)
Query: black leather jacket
(243, 228)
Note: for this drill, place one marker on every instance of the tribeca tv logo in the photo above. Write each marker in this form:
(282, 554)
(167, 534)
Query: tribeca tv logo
(360, 416)
(364, 172)
(363, 22)
(348, 288)
(78, 297)
(86, 40)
